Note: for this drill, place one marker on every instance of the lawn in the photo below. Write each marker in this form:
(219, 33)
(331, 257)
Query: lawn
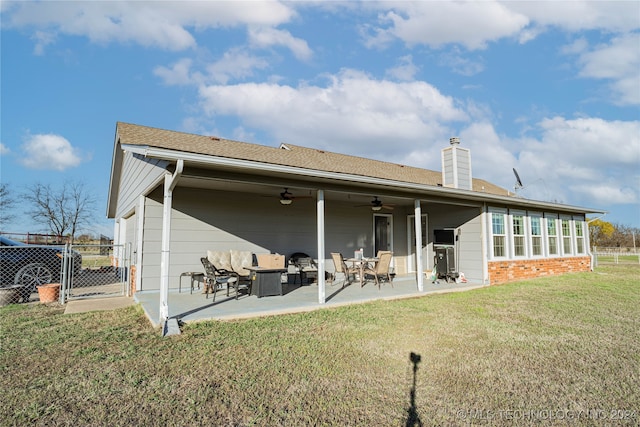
(561, 350)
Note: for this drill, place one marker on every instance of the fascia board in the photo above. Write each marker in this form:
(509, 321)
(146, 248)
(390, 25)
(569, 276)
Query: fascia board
(171, 155)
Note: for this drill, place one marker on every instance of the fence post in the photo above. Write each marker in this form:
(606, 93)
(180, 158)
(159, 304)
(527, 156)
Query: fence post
(65, 274)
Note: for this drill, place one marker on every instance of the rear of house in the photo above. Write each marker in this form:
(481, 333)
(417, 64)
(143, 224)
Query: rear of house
(175, 195)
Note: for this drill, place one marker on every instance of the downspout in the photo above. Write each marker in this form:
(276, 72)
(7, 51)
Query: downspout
(170, 182)
(321, 262)
(418, 225)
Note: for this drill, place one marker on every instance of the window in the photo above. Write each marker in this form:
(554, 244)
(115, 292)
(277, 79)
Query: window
(499, 233)
(518, 235)
(579, 226)
(552, 235)
(536, 235)
(566, 236)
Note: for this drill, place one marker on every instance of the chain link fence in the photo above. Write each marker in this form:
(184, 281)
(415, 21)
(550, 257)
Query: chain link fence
(80, 270)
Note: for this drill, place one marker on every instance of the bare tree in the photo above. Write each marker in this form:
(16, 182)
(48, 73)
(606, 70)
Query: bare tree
(7, 202)
(62, 211)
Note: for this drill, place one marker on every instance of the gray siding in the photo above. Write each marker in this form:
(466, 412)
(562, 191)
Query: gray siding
(210, 220)
(138, 176)
(456, 165)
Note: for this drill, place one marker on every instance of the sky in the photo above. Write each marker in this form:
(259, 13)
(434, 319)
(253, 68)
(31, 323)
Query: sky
(550, 88)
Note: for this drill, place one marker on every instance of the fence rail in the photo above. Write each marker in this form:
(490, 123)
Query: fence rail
(611, 256)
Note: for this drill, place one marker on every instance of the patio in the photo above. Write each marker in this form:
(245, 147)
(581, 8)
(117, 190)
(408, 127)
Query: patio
(187, 307)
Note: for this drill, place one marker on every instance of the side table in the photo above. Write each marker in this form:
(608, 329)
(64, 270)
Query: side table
(194, 275)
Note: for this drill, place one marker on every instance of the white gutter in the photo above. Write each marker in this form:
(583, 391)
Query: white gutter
(172, 155)
(170, 182)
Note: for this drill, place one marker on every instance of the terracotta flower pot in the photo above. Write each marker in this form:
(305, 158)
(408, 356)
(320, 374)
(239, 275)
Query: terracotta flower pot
(49, 292)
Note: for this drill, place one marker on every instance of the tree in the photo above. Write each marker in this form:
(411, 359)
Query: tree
(62, 211)
(7, 203)
(600, 232)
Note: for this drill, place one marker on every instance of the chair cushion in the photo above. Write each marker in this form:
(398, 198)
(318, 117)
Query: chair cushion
(240, 260)
(221, 259)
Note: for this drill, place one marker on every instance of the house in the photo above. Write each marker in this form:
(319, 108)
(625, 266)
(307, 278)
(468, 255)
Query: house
(175, 195)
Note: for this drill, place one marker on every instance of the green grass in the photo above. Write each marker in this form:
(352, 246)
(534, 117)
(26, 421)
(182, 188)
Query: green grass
(542, 348)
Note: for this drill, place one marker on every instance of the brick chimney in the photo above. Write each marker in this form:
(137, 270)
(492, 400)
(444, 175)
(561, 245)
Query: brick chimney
(456, 166)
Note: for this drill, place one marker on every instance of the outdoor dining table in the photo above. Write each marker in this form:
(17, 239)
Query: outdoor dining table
(361, 263)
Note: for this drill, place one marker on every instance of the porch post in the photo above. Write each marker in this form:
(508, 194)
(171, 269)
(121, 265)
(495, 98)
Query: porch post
(321, 263)
(418, 225)
(170, 182)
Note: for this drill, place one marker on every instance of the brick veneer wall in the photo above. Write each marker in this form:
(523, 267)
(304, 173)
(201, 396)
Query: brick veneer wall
(512, 270)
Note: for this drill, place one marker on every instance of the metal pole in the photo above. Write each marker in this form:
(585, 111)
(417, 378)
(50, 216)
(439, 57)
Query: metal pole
(64, 285)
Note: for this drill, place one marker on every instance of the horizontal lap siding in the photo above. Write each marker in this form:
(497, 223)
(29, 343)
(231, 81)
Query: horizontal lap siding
(204, 220)
(512, 270)
(138, 175)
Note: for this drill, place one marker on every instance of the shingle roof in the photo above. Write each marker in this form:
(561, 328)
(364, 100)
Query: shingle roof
(294, 156)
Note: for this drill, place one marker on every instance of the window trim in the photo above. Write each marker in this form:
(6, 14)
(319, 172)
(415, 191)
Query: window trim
(512, 234)
(554, 218)
(579, 220)
(570, 237)
(541, 236)
(491, 250)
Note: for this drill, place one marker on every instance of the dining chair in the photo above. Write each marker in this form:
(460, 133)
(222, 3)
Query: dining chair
(381, 269)
(215, 279)
(342, 267)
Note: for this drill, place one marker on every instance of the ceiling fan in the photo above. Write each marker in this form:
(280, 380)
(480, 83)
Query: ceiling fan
(377, 205)
(286, 198)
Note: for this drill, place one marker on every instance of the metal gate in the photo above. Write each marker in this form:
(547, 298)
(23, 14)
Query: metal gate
(104, 271)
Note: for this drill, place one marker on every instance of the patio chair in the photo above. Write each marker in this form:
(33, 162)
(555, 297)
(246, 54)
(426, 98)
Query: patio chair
(381, 269)
(240, 261)
(305, 267)
(215, 279)
(342, 267)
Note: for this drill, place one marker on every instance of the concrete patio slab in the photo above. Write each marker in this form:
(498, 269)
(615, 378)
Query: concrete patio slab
(192, 307)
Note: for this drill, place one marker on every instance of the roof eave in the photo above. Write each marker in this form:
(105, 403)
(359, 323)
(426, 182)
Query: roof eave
(425, 189)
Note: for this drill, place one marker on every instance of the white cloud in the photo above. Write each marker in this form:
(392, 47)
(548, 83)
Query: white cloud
(619, 61)
(160, 24)
(4, 149)
(235, 64)
(578, 159)
(404, 71)
(577, 15)
(266, 37)
(179, 73)
(50, 152)
(471, 24)
(460, 64)
(351, 113)
(475, 24)
(43, 39)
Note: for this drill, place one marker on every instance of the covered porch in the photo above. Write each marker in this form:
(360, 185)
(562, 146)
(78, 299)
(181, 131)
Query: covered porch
(189, 307)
